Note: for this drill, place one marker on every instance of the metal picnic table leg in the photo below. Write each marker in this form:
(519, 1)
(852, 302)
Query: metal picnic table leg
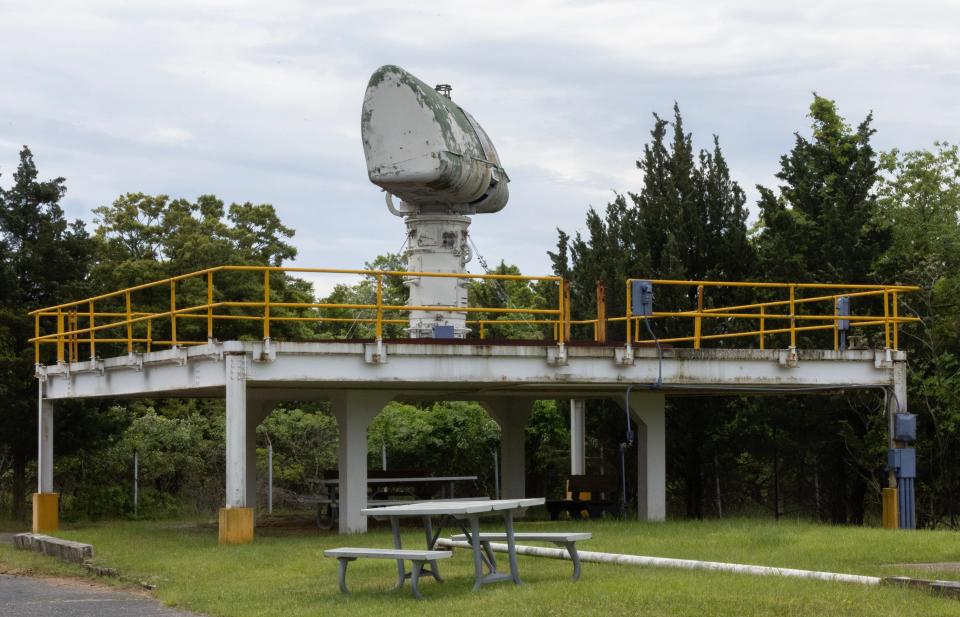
(511, 546)
(477, 556)
(431, 542)
(401, 568)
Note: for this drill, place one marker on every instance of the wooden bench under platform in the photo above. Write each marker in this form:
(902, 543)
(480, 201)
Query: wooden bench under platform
(567, 540)
(591, 494)
(347, 554)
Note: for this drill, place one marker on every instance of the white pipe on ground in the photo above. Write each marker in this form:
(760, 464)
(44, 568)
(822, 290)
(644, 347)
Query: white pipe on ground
(665, 562)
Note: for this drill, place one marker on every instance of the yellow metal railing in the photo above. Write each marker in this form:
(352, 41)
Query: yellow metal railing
(81, 323)
(121, 318)
(759, 312)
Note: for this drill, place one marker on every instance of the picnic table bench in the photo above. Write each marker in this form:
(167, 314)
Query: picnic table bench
(567, 540)
(347, 554)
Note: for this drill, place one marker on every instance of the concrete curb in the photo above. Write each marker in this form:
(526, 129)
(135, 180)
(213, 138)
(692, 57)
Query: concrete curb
(75, 552)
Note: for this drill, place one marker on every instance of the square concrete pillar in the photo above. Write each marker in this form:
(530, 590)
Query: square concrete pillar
(647, 410)
(511, 414)
(354, 410)
(46, 503)
(578, 454)
(236, 519)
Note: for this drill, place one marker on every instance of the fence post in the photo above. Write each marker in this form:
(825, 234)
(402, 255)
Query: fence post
(793, 318)
(209, 307)
(697, 321)
(266, 305)
(600, 328)
(379, 326)
(886, 319)
(173, 313)
(93, 334)
(60, 335)
(896, 323)
(126, 297)
(36, 335)
(763, 326)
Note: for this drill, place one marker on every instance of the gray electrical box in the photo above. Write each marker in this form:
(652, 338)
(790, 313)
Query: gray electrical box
(905, 427)
(903, 461)
(642, 298)
(443, 332)
(843, 310)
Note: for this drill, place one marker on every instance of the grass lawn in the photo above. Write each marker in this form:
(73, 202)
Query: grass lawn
(285, 574)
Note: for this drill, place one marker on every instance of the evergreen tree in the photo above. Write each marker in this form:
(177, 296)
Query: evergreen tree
(822, 226)
(45, 260)
(687, 222)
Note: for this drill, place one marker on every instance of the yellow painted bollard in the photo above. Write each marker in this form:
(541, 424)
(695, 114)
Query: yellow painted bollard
(891, 513)
(46, 517)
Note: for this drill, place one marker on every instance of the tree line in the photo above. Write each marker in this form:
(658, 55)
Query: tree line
(841, 212)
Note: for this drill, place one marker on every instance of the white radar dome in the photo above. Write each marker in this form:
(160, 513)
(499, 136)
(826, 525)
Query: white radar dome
(425, 149)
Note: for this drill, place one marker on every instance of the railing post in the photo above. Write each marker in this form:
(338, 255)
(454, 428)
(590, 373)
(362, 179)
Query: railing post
(93, 334)
(793, 318)
(886, 319)
(565, 313)
(126, 297)
(266, 305)
(173, 313)
(379, 326)
(209, 307)
(836, 326)
(60, 355)
(482, 332)
(36, 336)
(896, 322)
(763, 326)
(149, 335)
(629, 319)
(600, 328)
(697, 321)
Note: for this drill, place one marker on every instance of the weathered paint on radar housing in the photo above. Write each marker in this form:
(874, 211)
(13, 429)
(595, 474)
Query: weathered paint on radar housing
(426, 150)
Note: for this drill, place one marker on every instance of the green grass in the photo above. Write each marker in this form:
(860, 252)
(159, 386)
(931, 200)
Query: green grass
(285, 574)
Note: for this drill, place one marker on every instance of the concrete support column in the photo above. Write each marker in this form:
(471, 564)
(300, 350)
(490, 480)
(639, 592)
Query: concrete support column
(236, 519)
(647, 410)
(907, 509)
(45, 501)
(578, 453)
(511, 414)
(354, 410)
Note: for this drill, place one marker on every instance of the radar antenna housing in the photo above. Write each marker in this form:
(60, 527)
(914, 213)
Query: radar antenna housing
(428, 152)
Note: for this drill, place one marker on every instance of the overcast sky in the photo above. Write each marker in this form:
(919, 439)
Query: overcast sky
(260, 101)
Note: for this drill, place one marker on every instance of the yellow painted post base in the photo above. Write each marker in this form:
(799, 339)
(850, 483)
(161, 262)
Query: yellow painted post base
(236, 525)
(891, 513)
(46, 516)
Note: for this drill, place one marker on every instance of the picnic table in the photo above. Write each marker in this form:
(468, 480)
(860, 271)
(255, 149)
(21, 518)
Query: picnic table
(386, 488)
(466, 516)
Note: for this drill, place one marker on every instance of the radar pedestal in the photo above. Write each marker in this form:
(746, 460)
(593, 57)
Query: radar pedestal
(429, 152)
(437, 243)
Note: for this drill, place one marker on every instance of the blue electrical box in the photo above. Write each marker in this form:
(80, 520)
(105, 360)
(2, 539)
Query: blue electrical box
(903, 461)
(443, 332)
(905, 426)
(843, 310)
(642, 298)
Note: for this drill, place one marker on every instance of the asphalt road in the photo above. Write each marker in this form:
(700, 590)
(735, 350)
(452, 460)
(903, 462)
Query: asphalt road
(24, 596)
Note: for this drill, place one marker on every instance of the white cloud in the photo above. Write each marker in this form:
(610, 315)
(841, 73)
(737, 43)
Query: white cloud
(260, 101)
